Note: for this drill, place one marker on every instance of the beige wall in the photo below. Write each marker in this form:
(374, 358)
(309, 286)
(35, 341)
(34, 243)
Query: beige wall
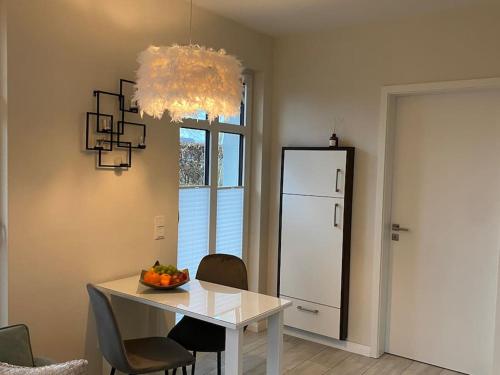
(338, 74)
(69, 223)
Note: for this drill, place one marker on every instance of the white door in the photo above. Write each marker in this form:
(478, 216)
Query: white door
(446, 191)
(311, 247)
(319, 173)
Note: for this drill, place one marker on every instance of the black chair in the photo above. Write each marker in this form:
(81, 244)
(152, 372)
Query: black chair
(200, 336)
(137, 356)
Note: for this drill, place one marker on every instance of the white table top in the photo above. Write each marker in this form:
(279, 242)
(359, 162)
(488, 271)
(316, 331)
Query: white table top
(218, 304)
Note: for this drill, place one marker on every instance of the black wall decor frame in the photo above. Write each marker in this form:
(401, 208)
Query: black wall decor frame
(347, 220)
(111, 137)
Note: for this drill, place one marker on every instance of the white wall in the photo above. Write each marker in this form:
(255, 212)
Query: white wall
(69, 223)
(338, 74)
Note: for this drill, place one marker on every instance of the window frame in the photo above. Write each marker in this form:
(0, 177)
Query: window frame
(211, 159)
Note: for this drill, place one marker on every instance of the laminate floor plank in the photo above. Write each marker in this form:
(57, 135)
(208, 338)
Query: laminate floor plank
(449, 372)
(299, 353)
(354, 364)
(307, 368)
(418, 368)
(330, 357)
(301, 357)
(389, 364)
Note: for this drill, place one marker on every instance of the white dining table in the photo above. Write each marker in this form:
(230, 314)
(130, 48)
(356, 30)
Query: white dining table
(228, 307)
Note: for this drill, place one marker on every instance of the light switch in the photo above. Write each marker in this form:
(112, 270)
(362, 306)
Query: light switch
(159, 233)
(159, 227)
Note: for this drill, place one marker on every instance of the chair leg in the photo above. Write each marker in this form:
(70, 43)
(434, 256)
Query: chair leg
(219, 360)
(184, 371)
(194, 363)
(112, 371)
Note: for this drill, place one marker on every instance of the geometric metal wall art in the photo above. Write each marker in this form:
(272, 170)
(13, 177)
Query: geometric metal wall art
(109, 132)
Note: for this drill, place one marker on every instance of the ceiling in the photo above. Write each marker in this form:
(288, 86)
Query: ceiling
(281, 17)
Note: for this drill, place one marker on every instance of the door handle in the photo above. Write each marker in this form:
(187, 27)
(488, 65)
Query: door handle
(337, 190)
(335, 224)
(301, 308)
(397, 228)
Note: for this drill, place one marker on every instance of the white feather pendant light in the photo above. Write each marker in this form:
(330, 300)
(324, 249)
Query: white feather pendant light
(185, 80)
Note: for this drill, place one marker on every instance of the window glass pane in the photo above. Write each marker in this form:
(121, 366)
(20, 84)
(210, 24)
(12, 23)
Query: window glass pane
(233, 120)
(192, 157)
(239, 118)
(230, 153)
(230, 221)
(200, 116)
(193, 228)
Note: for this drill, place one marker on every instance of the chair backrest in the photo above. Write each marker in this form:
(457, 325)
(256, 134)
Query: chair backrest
(108, 333)
(15, 346)
(223, 269)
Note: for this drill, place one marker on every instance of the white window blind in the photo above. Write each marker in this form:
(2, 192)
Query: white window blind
(229, 236)
(194, 206)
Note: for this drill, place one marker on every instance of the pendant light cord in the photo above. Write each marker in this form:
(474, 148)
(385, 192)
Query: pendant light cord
(190, 22)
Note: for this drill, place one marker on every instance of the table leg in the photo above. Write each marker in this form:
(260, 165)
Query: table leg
(234, 350)
(275, 344)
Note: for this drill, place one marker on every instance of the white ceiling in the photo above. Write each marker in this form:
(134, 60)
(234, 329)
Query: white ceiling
(281, 17)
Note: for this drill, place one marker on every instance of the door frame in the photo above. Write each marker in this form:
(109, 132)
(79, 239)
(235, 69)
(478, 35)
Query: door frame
(384, 193)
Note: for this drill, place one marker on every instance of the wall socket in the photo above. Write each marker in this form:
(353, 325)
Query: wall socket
(159, 227)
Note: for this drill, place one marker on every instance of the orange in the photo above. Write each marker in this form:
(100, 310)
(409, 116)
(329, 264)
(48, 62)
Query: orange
(152, 277)
(165, 280)
(147, 276)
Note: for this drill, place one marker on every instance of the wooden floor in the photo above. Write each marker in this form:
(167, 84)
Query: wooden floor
(308, 358)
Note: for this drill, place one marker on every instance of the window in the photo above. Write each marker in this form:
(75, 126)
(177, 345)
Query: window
(213, 161)
(194, 198)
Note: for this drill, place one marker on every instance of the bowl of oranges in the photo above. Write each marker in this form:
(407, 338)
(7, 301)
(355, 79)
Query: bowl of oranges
(164, 277)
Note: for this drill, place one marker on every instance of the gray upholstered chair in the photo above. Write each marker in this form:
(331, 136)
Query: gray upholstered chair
(15, 347)
(200, 336)
(137, 356)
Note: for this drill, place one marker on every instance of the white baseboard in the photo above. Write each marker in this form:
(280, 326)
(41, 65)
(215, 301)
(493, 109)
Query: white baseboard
(338, 344)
